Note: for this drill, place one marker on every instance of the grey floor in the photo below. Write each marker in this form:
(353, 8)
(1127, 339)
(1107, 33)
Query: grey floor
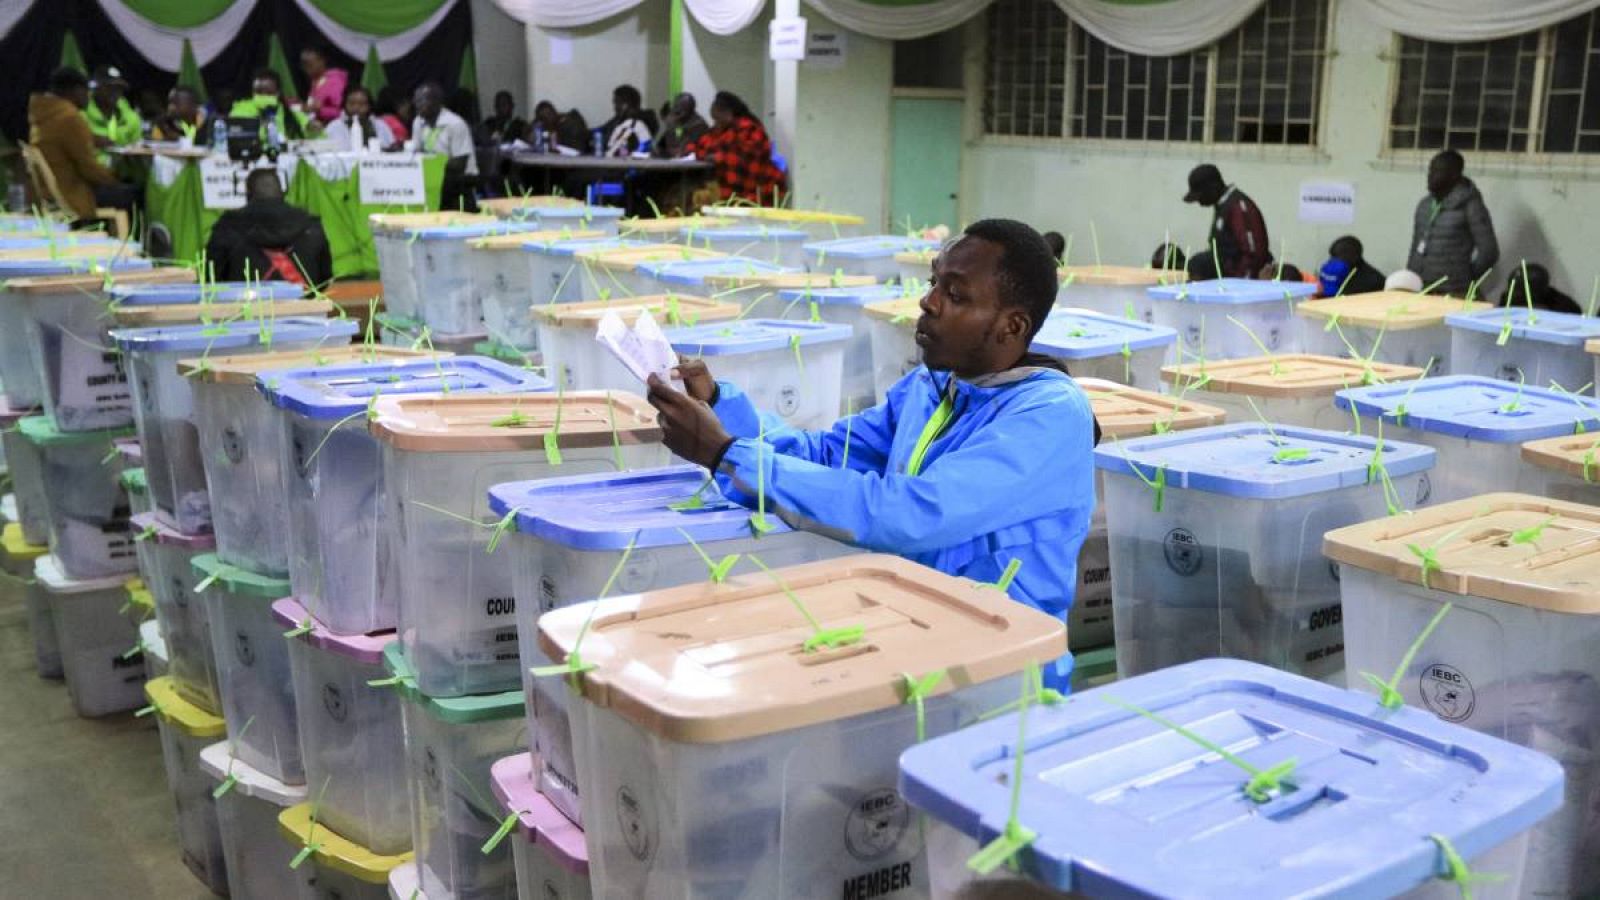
(84, 808)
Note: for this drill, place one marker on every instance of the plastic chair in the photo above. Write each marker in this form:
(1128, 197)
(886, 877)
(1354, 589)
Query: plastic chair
(48, 191)
(602, 189)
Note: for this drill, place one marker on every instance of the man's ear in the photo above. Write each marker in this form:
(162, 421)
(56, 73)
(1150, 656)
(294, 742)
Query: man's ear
(1016, 324)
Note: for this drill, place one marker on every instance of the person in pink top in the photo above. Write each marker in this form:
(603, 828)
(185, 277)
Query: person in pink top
(325, 100)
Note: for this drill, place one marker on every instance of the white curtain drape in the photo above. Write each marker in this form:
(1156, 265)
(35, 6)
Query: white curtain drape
(716, 16)
(11, 12)
(1163, 29)
(724, 16)
(163, 46)
(899, 23)
(355, 43)
(565, 13)
(1466, 20)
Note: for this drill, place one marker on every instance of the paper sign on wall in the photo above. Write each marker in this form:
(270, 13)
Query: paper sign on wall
(787, 39)
(1327, 202)
(392, 181)
(826, 49)
(221, 183)
(560, 51)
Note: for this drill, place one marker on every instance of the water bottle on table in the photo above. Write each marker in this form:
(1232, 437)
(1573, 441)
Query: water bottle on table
(219, 136)
(599, 143)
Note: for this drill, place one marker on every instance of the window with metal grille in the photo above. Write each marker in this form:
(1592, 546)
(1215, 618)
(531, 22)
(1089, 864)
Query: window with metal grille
(1524, 94)
(1262, 84)
(1026, 86)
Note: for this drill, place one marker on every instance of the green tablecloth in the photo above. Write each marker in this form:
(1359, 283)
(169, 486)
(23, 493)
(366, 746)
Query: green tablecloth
(180, 206)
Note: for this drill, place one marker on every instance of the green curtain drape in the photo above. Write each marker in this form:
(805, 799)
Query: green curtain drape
(178, 14)
(467, 77)
(189, 71)
(71, 56)
(280, 64)
(373, 76)
(380, 18)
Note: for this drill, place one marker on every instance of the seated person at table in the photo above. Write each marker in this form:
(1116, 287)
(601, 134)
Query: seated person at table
(740, 154)
(504, 126)
(681, 127)
(184, 118)
(1545, 296)
(1169, 257)
(565, 129)
(394, 108)
(269, 240)
(325, 99)
(358, 125)
(628, 129)
(112, 119)
(438, 130)
(1347, 270)
(58, 129)
(265, 102)
(976, 460)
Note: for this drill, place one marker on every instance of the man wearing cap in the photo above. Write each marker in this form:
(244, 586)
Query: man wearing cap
(1238, 232)
(58, 128)
(112, 119)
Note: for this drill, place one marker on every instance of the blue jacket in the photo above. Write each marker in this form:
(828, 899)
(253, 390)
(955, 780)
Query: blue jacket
(1011, 477)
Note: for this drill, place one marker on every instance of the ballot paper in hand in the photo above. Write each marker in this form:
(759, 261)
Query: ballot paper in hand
(643, 349)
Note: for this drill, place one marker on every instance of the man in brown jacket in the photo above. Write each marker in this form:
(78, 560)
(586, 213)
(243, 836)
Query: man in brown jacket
(57, 127)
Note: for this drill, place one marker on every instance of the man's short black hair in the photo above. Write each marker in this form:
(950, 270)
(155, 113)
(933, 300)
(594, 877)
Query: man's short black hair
(188, 90)
(67, 78)
(1027, 267)
(628, 94)
(263, 184)
(1347, 248)
(1451, 158)
(1169, 256)
(270, 74)
(355, 89)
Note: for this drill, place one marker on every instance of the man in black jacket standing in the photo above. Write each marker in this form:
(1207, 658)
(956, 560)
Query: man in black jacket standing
(268, 239)
(1452, 236)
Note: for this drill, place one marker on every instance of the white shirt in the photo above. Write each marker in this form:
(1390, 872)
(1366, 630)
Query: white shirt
(628, 135)
(450, 136)
(338, 131)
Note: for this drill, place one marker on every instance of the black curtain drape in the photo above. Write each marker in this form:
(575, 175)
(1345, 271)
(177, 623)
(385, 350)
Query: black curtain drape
(33, 50)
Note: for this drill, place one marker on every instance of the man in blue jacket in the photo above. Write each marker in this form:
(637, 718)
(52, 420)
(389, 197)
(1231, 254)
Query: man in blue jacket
(976, 460)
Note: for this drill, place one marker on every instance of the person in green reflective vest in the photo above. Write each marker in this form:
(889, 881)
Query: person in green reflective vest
(266, 100)
(112, 119)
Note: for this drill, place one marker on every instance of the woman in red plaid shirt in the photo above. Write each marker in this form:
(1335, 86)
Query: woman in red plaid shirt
(740, 153)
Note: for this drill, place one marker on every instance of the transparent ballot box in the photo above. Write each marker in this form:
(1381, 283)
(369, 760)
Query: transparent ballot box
(572, 534)
(1122, 805)
(331, 472)
(441, 454)
(734, 748)
(351, 736)
(1290, 388)
(1098, 346)
(1214, 538)
(1385, 326)
(1478, 425)
(164, 397)
(1230, 317)
(1535, 347)
(1118, 291)
(1513, 657)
